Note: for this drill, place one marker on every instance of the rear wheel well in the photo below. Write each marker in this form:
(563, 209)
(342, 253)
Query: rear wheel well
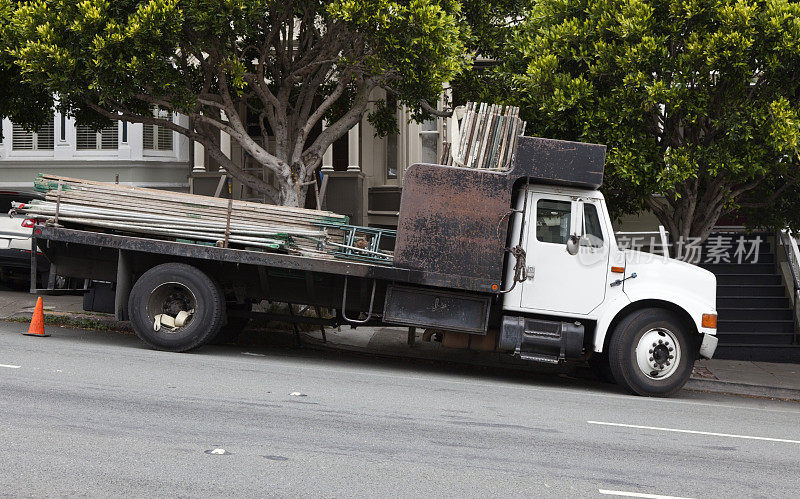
(682, 314)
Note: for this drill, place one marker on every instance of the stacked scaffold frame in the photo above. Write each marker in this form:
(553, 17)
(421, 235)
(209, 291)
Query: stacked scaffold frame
(184, 217)
(488, 136)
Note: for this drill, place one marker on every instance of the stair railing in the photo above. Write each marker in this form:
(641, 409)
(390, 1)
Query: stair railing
(662, 233)
(792, 253)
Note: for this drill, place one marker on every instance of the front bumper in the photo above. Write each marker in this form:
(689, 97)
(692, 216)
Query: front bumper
(708, 346)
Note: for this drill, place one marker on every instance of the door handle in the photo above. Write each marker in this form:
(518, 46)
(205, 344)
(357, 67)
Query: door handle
(531, 270)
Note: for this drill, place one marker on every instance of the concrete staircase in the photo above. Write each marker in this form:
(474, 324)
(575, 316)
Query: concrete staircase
(756, 320)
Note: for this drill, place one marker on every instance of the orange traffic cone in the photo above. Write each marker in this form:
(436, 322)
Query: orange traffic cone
(37, 321)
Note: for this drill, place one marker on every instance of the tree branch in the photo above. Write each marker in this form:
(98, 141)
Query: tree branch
(313, 154)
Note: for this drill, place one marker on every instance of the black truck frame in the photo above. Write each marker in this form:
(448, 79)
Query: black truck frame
(451, 250)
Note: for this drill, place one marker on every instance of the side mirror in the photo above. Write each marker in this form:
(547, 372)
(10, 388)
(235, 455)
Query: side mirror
(573, 244)
(574, 241)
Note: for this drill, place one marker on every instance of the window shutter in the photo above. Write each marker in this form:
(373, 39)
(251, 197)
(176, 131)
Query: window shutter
(45, 136)
(147, 137)
(110, 137)
(164, 139)
(21, 140)
(86, 138)
(156, 137)
(165, 134)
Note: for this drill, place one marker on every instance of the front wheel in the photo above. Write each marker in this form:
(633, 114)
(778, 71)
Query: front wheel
(650, 353)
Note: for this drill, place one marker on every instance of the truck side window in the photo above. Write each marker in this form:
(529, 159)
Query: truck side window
(553, 221)
(593, 228)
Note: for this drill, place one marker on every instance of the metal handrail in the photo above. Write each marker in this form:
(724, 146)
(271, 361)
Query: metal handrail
(792, 252)
(661, 232)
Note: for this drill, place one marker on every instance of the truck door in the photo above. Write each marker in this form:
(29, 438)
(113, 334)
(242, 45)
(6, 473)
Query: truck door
(561, 282)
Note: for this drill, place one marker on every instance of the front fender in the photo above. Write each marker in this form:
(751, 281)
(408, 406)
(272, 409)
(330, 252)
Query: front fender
(673, 284)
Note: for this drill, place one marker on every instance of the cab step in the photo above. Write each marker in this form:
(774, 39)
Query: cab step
(546, 359)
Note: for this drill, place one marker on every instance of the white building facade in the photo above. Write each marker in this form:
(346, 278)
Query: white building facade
(368, 169)
(132, 153)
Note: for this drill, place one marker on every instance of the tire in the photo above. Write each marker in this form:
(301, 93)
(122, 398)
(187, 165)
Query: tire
(631, 365)
(168, 288)
(229, 333)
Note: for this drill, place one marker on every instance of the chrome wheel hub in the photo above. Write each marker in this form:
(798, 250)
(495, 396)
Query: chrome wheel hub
(658, 353)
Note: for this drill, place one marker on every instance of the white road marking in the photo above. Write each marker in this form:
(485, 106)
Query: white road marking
(622, 493)
(10, 366)
(694, 432)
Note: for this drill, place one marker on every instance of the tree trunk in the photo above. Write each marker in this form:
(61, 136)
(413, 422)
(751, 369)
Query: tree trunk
(687, 230)
(292, 194)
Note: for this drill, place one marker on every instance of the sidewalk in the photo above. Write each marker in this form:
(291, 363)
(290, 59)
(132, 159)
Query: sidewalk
(757, 379)
(741, 377)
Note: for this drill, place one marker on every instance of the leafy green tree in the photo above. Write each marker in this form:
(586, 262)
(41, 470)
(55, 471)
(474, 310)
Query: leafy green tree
(696, 99)
(491, 29)
(25, 104)
(291, 62)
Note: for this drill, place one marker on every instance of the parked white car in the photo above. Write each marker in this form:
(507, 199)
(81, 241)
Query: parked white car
(15, 243)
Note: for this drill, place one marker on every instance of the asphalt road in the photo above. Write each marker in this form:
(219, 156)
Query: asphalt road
(97, 414)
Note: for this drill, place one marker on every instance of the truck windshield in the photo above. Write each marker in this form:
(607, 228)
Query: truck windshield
(553, 221)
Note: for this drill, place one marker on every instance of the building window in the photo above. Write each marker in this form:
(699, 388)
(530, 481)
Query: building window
(40, 140)
(429, 136)
(391, 143)
(391, 156)
(89, 139)
(158, 138)
(341, 153)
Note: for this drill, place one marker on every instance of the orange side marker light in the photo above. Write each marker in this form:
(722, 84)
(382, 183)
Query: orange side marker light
(709, 321)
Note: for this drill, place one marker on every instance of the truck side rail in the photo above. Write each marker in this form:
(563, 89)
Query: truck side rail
(259, 258)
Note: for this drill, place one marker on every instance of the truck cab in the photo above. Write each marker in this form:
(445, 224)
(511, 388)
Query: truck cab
(538, 238)
(643, 317)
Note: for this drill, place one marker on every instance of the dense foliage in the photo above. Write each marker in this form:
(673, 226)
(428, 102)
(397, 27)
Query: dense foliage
(290, 62)
(697, 100)
(26, 104)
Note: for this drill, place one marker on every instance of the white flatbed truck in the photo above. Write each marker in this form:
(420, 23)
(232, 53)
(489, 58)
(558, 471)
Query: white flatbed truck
(525, 259)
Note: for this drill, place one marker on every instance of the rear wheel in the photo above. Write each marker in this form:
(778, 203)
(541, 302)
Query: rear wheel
(650, 353)
(173, 289)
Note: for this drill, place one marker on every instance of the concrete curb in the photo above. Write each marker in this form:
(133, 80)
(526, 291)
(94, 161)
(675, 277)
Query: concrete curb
(733, 388)
(73, 320)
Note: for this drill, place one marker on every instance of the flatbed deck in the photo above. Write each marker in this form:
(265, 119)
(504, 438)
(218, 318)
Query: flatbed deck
(333, 266)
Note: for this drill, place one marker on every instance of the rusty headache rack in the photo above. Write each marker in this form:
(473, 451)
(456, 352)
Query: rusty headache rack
(455, 220)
